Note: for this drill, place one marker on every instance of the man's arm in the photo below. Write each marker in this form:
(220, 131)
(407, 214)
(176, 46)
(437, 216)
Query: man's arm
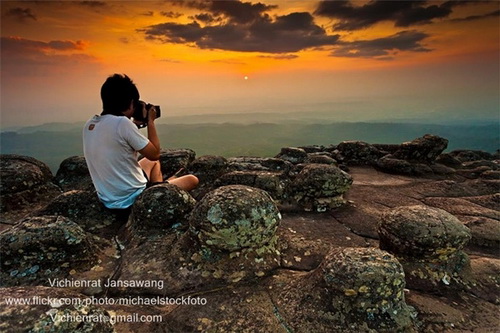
(152, 149)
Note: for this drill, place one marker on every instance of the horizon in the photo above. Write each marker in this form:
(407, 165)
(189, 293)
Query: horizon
(355, 60)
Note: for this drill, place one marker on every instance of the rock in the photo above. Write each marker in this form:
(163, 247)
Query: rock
(73, 174)
(25, 181)
(390, 164)
(440, 169)
(42, 248)
(313, 149)
(471, 155)
(36, 317)
(160, 208)
(293, 155)
(65, 320)
(353, 290)
(320, 158)
(422, 150)
(83, 208)
(172, 160)
(428, 242)
(208, 169)
(473, 173)
(358, 153)
(232, 238)
(485, 231)
(481, 163)
(490, 174)
(320, 187)
(235, 217)
(273, 182)
(448, 160)
(259, 164)
(387, 148)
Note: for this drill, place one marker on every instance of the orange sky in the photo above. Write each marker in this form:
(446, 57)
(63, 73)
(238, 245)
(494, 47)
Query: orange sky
(418, 60)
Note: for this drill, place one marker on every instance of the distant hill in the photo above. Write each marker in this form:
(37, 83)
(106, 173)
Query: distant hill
(52, 143)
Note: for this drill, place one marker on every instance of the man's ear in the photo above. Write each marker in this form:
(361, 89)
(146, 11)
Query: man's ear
(130, 109)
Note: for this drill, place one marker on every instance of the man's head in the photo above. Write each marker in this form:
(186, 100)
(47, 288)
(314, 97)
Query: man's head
(117, 92)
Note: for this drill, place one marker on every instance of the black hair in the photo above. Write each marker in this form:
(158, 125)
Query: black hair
(116, 93)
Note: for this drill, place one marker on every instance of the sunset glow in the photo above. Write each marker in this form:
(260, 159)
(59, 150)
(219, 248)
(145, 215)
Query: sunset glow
(190, 56)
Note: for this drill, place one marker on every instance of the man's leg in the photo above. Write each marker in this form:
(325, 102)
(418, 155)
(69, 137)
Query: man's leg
(152, 170)
(187, 183)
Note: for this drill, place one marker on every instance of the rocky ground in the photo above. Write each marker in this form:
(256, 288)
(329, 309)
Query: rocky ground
(289, 244)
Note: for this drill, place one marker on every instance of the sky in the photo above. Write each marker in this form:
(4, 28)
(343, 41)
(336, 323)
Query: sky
(353, 60)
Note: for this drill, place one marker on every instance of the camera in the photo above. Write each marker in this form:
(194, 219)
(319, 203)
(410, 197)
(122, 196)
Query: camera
(141, 113)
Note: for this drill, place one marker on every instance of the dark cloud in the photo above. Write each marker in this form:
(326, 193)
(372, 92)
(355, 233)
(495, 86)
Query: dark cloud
(18, 44)
(477, 17)
(171, 14)
(235, 11)
(205, 18)
(402, 13)
(148, 13)
(21, 14)
(284, 34)
(383, 48)
(25, 57)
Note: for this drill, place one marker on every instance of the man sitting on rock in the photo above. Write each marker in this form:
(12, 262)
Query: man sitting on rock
(111, 142)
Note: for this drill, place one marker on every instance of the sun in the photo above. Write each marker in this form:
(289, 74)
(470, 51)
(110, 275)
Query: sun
(245, 78)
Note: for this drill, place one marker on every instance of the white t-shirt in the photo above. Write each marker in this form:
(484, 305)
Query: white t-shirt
(110, 145)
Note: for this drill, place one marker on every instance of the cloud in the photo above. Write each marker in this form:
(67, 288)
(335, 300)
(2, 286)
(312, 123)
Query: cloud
(284, 34)
(280, 56)
(171, 14)
(25, 57)
(383, 48)
(235, 11)
(21, 14)
(477, 17)
(402, 13)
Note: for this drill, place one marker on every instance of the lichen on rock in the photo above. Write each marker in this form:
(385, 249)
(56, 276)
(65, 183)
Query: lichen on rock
(320, 187)
(428, 242)
(39, 248)
(235, 217)
(24, 181)
(161, 208)
(353, 290)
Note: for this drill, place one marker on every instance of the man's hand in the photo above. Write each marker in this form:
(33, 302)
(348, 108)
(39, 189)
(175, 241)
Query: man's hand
(151, 115)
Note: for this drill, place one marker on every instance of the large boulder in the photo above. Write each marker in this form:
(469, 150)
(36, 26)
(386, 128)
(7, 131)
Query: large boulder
(471, 155)
(422, 150)
(320, 187)
(232, 237)
(208, 169)
(390, 164)
(25, 181)
(83, 208)
(73, 174)
(292, 155)
(259, 164)
(358, 153)
(275, 183)
(42, 248)
(160, 208)
(171, 160)
(235, 217)
(429, 244)
(353, 290)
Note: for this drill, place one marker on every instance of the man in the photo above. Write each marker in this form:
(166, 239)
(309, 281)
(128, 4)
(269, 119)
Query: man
(111, 143)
